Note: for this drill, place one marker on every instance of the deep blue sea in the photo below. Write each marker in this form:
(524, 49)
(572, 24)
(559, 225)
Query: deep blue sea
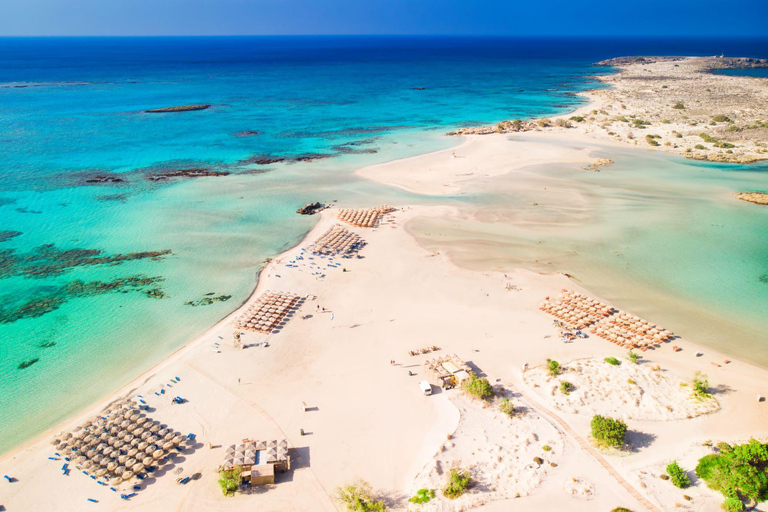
(106, 253)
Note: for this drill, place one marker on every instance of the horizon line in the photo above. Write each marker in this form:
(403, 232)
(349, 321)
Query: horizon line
(489, 36)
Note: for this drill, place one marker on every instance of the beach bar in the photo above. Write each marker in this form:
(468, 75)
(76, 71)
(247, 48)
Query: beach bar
(448, 371)
(259, 460)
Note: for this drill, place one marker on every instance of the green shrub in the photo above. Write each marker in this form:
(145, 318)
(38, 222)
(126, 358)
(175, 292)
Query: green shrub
(633, 357)
(707, 138)
(721, 118)
(613, 361)
(738, 473)
(423, 496)
(665, 121)
(478, 387)
(458, 483)
(677, 474)
(546, 448)
(544, 122)
(554, 367)
(229, 480)
(732, 505)
(621, 509)
(679, 105)
(700, 386)
(724, 447)
(720, 144)
(651, 140)
(563, 123)
(699, 146)
(358, 497)
(507, 407)
(607, 431)
(566, 387)
(578, 119)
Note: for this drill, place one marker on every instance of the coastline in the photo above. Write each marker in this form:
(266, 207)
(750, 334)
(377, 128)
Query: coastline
(316, 358)
(435, 184)
(643, 106)
(126, 390)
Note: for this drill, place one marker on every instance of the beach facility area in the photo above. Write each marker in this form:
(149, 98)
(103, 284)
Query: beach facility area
(327, 367)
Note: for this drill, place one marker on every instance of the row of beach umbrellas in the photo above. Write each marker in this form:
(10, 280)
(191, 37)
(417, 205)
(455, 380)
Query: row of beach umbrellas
(338, 240)
(364, 217)
(267, 312)
(578, 310)
(119, 444)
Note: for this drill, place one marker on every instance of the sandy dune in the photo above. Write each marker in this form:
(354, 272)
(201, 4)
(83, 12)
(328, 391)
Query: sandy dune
(629, 391)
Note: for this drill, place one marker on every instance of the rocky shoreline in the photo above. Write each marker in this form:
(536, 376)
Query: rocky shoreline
(676, 104)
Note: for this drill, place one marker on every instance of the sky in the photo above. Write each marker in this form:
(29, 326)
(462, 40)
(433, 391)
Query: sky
(657, 18)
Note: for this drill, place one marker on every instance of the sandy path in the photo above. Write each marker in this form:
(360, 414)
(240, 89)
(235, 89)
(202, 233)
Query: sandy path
(586, 446)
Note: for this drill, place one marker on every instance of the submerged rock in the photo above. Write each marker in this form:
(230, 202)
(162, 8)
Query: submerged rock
(208, 300)
(29, 362)
(180, 108)
(48, 260)
(186, 173)
(104, 178)
(155, 293)
(264, 160)
(41, 305)
(7, 235)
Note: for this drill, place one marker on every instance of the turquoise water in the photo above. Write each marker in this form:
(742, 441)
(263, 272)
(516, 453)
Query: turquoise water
(74, 328)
